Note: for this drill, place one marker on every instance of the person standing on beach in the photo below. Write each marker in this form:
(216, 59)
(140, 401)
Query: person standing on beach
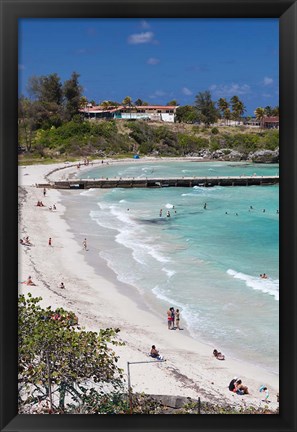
(177, 319)
(169, 319)
(204, 206)
(161, 212)
(172, 318)
(44, 192)
(50, 241)
(85, 244)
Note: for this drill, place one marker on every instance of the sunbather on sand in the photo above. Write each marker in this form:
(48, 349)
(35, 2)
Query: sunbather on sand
(30, 282)
(218, 355)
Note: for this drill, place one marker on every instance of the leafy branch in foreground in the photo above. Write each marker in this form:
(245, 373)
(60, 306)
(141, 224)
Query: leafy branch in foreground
(55, 355)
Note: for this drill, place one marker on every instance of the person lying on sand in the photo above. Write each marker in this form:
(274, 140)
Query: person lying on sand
(218, 355)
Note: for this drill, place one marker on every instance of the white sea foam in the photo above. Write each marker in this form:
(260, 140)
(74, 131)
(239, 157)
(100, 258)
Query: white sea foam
(169, 272)
(267, 286)
(88, 192)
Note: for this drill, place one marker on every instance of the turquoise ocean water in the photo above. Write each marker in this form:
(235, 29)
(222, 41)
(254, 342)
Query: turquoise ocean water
(203, 261)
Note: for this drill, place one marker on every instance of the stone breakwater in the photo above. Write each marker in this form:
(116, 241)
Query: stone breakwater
(161, 182)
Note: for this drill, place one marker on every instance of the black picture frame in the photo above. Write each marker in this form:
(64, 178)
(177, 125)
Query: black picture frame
(11, 11)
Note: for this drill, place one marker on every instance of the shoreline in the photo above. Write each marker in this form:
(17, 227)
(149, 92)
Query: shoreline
(100, 300)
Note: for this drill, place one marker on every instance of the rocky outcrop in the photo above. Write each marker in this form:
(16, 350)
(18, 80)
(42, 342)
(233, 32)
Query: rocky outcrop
(228, 155)
(265, 156)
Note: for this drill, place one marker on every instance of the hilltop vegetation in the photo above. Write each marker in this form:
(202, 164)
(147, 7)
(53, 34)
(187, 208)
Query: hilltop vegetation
(110, 138)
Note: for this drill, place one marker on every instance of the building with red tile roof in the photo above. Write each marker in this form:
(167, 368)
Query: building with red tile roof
(163, 113)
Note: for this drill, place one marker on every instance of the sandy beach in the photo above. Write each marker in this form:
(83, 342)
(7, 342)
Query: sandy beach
(100, 300)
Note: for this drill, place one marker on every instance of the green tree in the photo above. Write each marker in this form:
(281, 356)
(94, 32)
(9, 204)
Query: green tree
(72, 92)
(51, 89)
(139, 102)
(54, 354)
(205, 106)
(47, 98)
(26, 122)
(238, 108)
(46, 89)
(186, 114)
(172, 103)
(268, 111)
(275, 111)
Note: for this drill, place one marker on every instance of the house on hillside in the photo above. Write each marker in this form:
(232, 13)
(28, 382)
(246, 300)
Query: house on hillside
(270, 122)
(162, 113)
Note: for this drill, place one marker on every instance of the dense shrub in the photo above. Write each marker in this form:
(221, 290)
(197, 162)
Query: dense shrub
(90, 137)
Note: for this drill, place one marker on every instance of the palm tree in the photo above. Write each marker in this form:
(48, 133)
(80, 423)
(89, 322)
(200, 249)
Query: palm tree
(227, 115)
(105, 104)
(128, 101)
(238, 107)
(223, 106)
(83, 102)
(259, 113)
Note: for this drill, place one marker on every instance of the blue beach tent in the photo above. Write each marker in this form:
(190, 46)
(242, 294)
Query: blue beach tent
(136, 157)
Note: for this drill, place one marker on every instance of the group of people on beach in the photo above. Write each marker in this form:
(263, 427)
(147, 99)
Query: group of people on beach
(237, 387)
(25, 241)
(173, 319)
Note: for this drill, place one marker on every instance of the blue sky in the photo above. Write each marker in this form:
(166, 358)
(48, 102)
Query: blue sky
(156, 60)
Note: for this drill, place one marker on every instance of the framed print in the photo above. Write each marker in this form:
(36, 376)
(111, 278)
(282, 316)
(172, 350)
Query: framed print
(151, 195)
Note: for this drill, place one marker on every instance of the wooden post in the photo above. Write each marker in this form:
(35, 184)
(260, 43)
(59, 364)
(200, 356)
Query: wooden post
(199, 405)
(129, 388)
(49, 382)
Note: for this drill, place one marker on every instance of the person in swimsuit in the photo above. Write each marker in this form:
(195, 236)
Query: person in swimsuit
(177, 319)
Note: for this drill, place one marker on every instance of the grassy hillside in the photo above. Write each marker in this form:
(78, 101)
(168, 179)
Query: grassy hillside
(111, 138)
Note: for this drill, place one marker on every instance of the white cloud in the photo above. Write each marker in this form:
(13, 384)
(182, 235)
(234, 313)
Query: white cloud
(144, 24)
(140, 38)
(266, 95)
(157, 94)
(153, 61)
(267, 81)
(21, 67)
(224, 90)
(186, 91)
